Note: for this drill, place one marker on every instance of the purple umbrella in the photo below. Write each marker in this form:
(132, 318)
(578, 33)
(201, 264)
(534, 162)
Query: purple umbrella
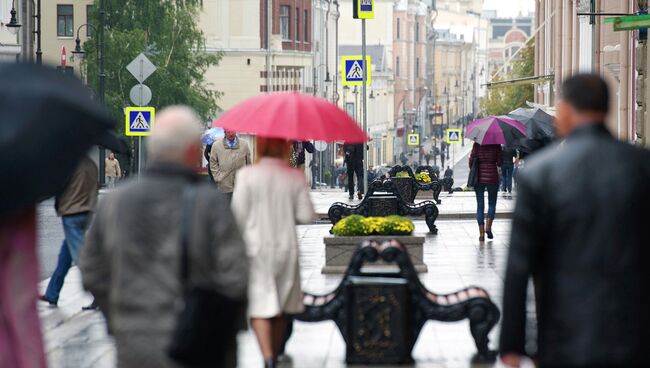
(495, 130)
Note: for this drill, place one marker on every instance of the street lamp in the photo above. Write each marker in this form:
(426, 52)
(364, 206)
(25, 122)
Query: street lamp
(13, 24)
(78, 51)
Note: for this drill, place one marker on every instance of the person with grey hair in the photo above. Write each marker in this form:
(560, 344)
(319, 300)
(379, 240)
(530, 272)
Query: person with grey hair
(133, 257)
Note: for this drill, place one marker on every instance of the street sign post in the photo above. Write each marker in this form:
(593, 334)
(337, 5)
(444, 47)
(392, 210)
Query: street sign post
(139, 121)
(140, 95)
(363, 9)
(140, 68)
(320, 146)
(454, 136)
(414, 139)
(353, 67)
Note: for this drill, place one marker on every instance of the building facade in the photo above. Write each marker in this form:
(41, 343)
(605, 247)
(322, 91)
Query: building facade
(10, 37)
(568, 43)
(380, 93)
(410, 20)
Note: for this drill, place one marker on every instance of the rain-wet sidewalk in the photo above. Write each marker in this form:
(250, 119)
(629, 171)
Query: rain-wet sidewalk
(455, 258)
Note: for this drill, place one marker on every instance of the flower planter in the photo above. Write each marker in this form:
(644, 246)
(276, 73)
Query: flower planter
(339, 251)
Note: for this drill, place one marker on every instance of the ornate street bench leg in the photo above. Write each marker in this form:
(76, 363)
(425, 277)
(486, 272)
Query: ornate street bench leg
(431, 214)
(483, 316)
(436, 193)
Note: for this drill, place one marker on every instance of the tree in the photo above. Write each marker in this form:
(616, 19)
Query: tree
(503, 100)
(166, 31)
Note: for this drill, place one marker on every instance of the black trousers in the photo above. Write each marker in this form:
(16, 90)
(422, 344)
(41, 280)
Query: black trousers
(358, 169)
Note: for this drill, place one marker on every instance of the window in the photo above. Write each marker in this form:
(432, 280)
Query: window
(297, 33)
(398, 28)
(417, 67)
(89, 20)
(397, 66)
(306, 29)
(417, 32)
(284, 22)
(64, 25)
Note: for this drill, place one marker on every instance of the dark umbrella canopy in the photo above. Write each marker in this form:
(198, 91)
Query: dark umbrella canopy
(47, 123)
(538, 122)
(540, 129)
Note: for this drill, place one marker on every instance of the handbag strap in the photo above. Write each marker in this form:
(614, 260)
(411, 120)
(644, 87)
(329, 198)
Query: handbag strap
(188, 198)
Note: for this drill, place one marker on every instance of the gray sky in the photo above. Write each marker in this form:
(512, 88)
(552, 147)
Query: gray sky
(510, 8)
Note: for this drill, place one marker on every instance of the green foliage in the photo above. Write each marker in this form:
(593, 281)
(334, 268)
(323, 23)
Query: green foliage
(167, 32)
(501, 101)
(357, 225)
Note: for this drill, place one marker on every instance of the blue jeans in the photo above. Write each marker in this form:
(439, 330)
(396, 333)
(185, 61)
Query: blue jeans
(73, 228)
(506, 178)
(492, 190)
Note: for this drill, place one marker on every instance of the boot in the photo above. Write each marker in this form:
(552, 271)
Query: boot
(270, 363)
(488, 229)
(481, 230)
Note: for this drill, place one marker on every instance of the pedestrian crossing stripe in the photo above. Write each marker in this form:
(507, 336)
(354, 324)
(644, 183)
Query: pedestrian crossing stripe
(454, 136)
(352, 67)
(139, 120)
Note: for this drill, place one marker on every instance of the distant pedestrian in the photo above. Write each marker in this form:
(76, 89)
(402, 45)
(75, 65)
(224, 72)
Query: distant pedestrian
(132, 259)
(489, 159)
(270, 198)
(314, 168)
(74, 206)
(298, 157)
(449, 173)
(583, 240)
(507, 169)
(427, 157)
(403, 159)
(354, 163)
(226, 157)
(206, 155)
(113, 171)
(442, 158)
(448, 180)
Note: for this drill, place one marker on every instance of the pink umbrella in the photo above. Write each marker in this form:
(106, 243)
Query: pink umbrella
(495, 130)
(292, 116)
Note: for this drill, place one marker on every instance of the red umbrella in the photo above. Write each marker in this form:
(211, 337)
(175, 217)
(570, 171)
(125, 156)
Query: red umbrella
(292, 116)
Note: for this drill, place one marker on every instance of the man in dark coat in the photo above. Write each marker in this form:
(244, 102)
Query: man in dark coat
(584, 242)
(354, 163)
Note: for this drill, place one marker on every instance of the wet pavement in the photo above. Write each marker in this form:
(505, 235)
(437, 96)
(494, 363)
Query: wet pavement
(455, 259)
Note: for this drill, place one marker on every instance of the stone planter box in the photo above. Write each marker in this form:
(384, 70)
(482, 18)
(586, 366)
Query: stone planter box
(339, 251)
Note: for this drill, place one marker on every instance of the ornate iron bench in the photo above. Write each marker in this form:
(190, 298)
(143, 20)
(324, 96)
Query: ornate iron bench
(472, 303)
(410, 188)
(390, 202)
(445, 183)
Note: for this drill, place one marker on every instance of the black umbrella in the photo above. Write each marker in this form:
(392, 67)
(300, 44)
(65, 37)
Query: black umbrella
(540, 130)
(538, 122)
(47, 123)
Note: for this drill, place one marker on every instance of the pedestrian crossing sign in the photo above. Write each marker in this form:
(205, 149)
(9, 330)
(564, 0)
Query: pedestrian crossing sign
(413, 139)
(454, 136)
(352, 67)
(139, 121)
(363, 9)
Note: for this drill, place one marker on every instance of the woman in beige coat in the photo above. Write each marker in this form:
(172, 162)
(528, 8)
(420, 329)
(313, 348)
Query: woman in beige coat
(269, 199)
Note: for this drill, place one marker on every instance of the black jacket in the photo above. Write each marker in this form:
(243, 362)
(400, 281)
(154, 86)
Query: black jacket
(581, 229)
(353, 154)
